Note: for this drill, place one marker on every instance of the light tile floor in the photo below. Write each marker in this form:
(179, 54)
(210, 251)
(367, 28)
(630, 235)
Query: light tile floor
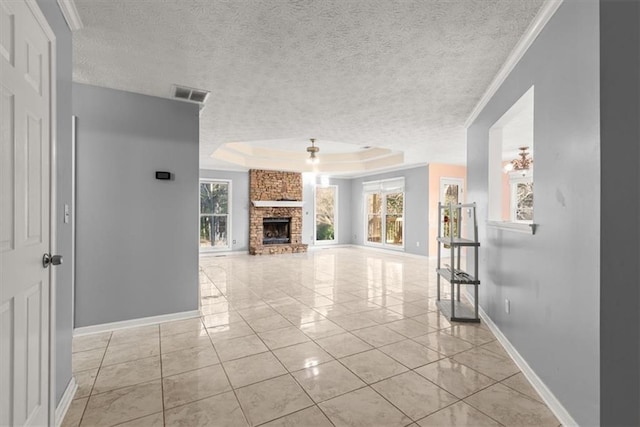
(340, 336)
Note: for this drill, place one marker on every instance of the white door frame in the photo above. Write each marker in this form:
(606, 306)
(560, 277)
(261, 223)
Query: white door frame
(335, 216)
(454, 181)
(42, 20)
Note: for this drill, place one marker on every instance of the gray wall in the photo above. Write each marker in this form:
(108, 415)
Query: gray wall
(136, 237)
(345, 236)
(308, 182)
(620, 232)
(416, 207)
(64, 272)
(551, 278)
(345, 197)
(239, 205)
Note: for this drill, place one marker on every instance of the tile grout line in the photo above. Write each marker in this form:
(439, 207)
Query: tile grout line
(127, 361)
(475, 392)
(518, 391)
(96, 379)
(285, 368)
(366, 385)
(491, 385)
(290, 372)
(409, 370)
(295, 412)
(478, 409)
(466, 397)
(244, 415)
(279, 361)
(164, 421)
(427, 379)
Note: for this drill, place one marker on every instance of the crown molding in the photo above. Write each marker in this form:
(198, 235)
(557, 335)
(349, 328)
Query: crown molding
(543, 16)
(384, 170)
(70, 12)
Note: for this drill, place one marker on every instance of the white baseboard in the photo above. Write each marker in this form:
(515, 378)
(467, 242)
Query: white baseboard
(214, 254)
(65, 402)
(313, 247)
(549, 398)
(143, 321)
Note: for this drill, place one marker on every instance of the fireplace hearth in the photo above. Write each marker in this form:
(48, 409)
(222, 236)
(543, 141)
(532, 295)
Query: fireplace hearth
(276, 231)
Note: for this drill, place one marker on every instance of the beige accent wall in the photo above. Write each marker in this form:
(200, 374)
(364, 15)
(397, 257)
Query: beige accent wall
(436, 172)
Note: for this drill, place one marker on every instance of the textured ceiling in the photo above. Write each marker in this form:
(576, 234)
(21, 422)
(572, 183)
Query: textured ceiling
(402, 75)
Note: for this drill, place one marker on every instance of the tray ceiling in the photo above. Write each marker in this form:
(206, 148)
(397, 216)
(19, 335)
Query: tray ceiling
(402, 75)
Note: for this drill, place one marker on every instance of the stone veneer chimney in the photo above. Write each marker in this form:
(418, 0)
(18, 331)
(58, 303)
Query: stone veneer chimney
(274, 186)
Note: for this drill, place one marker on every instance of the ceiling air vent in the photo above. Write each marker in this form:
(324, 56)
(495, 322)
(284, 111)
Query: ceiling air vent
(184, 93)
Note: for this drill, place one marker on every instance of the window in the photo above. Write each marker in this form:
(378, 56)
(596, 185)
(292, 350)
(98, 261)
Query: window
(394, 204)
(384, 214)
(325, 214)
(374, 217)
(215, 216)
(521, 199)
(450, 192)
(511, 153)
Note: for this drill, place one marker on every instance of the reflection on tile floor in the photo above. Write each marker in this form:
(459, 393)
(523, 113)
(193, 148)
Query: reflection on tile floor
(340, 336)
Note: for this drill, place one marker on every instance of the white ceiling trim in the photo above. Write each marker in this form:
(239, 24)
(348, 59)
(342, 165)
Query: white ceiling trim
(261, 158)
(301, 155)
(70, 13)
(384, 171)
(543, 16)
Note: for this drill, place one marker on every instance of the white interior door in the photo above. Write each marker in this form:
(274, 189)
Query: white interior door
(25, 156)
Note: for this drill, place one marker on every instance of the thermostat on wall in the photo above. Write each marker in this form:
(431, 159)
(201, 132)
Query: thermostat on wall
(163, 175)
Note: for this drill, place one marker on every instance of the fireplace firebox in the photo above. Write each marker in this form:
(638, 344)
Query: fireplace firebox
(276, 231)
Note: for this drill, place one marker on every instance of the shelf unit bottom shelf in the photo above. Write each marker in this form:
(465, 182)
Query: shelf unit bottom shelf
(464, 313)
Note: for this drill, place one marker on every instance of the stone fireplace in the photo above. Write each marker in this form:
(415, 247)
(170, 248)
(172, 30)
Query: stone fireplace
(275, 214)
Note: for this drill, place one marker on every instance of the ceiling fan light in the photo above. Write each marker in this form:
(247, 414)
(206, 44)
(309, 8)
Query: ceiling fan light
(313, 159)
(522, 164)
(312, 150)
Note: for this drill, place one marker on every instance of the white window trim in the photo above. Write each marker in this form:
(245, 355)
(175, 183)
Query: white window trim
(514, 180)
(335, 216)
(383, 215)
(452, 181)
(391, 185)
(228, 214)
(366, 220)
